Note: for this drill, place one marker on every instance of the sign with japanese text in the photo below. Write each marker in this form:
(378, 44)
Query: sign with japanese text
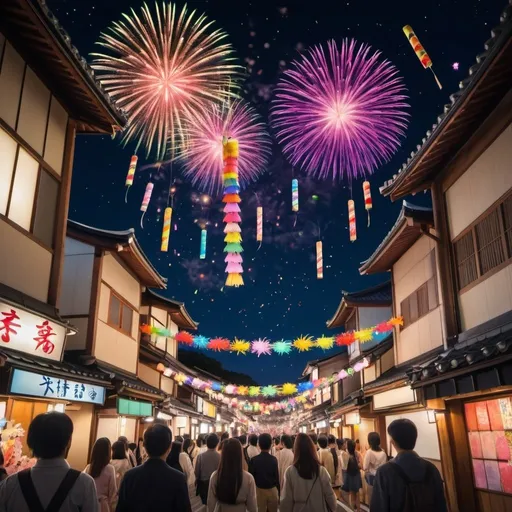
(30, 333)
(46, 386)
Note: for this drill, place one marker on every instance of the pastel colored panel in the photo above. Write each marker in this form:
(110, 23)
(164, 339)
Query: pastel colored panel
(488, 446)
(506, 476)
(494, 409)
(482, 417)
(506, 412)
(479, 472)
(502, 447)
(492, 472)
(471, 416)
(475, 445)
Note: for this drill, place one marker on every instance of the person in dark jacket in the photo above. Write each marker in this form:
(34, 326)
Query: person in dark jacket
(154, 485)
(408, 477)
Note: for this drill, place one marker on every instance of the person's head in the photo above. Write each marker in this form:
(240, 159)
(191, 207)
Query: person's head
(118, 451)
(229, 475)
(331, 440)
(200, 441)
(305, 458)
(100, 456)
(49, 435)
(140, 441)
(322, 442)
(277, 440)
(265, 442)
(286, 441)
(403, 433)
(157, 441)
(188, 445)
(374, 441)
(313, 438)
(253, 440)
(174, 455)
(212, 441)
(351, 447)
(132, 446)
(243, 439)
(341, 444)
(224, 436)
(179, 439)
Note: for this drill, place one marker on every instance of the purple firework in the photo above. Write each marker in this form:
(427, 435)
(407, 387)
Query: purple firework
(340, 112)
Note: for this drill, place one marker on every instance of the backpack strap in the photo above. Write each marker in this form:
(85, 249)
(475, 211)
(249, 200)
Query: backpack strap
(62, 492)
(29, 491)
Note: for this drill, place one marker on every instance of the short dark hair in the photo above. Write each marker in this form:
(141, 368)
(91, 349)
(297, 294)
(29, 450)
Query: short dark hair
(118, 451)
(224, 436)
(277, 440)
(157, 440)
(49, 435)
(243, 439)
(322, 441)
(253, 440)
(265, 441)
(331, 439)
(313, 437)
(212, 441)
(340, 443)
(287, 441)
(404, 433)
(374, 441)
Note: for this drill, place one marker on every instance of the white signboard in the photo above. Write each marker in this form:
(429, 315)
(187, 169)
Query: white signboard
(46, 386)
(30, 333)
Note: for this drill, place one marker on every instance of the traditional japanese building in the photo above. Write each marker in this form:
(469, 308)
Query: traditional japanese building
(464, 161)
(48, 95)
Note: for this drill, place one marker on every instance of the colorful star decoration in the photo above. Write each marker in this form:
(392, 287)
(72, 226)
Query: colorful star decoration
(289, 389)
(303, 343)
(240, 346)
(269, 391)
(325, 342)
(261, 346)
(282, 347)
(219, 344)
(200, 342)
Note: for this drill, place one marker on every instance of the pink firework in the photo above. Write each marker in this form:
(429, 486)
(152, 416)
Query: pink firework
(157, 68)
(204, 133)
(340, 111)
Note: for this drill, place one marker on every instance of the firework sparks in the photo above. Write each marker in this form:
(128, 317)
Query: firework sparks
(339, 111)
(159, 67)
(204, 132)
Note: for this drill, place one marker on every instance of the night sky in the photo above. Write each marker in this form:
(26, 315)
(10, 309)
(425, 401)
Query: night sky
(282, 297)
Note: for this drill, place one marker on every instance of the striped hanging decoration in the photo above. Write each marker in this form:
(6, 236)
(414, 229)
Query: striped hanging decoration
(166, 229)
(231, 200)
(352, 220)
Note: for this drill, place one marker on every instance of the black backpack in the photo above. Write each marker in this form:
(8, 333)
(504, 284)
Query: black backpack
(419, 496)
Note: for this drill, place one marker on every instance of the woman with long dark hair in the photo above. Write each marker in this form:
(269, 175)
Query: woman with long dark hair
(120, 461)
(185, 461)
(231, 488)
(307, 485)
(173, 459)
(353, 481)
(374, 458)
(104, 475)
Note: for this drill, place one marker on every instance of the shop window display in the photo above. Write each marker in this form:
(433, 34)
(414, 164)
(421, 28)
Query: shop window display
(489, 425)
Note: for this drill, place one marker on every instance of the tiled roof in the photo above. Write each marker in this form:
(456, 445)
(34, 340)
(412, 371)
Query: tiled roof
(406, 230)
(392, 375)
(177, 309)
(460, 118)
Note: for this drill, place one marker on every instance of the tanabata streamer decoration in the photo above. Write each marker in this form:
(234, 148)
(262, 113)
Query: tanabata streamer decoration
(295, 195)
(352, 220)
(159, 65)
(259, 223)
(202, 250)
(282, 347)
(240, 346)
(319, 261)
(131, 174)
(367, 198)
(145, 202)
(166, 229)
(420, 51)
(231, 200)
(261, 346)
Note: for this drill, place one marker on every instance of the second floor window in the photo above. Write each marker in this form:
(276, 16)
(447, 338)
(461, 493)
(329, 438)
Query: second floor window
(120, 314)
(420, 302)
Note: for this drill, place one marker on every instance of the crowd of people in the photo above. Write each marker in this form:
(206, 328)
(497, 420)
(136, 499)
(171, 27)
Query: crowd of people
(257, 473)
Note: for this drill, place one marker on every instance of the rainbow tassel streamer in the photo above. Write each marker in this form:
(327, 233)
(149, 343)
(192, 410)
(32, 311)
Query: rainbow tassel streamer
(367, 198)
(352, 220)
(129, 177)
(232, 217)
(166, 229)
(259, 224)
(319, 261)
(295, 195)
(202, 250)
(145, 202)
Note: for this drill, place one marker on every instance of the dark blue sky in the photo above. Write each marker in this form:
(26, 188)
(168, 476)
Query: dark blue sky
(282, 297)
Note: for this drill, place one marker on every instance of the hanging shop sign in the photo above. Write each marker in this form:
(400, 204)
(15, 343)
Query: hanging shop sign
(47, 386)
(127, 407)
(31, 333)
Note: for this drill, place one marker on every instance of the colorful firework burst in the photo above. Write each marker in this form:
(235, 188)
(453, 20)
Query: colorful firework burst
(340, 111)
(204, 131)
(156, 67)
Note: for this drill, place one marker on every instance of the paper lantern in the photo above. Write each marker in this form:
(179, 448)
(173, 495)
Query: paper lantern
(131, 174)
(166, 229)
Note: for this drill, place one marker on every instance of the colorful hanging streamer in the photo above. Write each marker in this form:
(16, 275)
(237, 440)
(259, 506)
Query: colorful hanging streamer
(367, 199)
(202, 250)
(129, 177)
(166, 229)
(145, 202)
(420, 51)
(231, 199)
(352, 220)
(259, 224)
(319, 261)
(295, 195)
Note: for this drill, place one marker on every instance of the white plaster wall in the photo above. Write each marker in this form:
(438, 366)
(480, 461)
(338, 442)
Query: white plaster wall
(116, 276)
(82, 422)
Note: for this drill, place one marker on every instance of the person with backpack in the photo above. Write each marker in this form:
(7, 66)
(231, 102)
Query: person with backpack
(50, 485)
(353, 481)
(408, 483)
(307, 486)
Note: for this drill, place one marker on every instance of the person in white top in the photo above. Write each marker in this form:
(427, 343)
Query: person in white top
(253, 449)
(374, 458)
(120, 461)
(285, 459)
